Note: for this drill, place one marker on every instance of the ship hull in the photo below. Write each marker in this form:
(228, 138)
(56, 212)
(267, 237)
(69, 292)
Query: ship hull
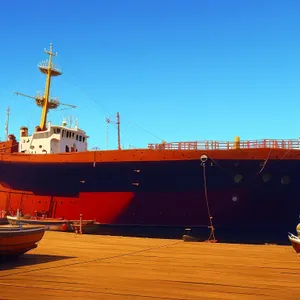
(242, 196)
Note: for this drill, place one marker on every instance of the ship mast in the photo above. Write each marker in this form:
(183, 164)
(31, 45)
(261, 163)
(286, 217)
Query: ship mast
(118, 125)
(7, 122)
(47, 68)
(50, 71)
(107, 120)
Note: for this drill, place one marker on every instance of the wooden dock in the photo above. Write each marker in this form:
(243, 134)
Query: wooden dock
(73, 266)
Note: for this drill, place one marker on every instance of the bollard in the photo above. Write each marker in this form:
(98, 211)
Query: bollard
(80, 224)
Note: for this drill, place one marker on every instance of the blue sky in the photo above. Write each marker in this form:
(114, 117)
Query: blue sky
(180, 70)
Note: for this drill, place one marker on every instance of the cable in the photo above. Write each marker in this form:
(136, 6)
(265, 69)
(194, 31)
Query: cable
(92, 260)
(211, 237)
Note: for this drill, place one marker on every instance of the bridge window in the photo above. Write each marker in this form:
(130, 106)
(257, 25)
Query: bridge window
(83, 138)
(67, 148)
(80, 137)
(58, 130)
(76, 137)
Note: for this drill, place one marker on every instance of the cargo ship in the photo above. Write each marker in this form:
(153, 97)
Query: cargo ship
(241, 187)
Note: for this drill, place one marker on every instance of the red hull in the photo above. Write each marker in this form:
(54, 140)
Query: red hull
(296, 247)
(295, 241)
(153, 209)
(128, 208)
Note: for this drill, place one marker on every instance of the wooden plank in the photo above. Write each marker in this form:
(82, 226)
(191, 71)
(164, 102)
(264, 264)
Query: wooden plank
(67, 265)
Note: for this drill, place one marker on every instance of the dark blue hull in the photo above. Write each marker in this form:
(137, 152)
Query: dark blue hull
(248, 194)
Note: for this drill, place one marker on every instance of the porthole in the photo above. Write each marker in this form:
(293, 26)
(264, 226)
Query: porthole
(234, 198)
(285, 180)
(266, 177)
(238, 178)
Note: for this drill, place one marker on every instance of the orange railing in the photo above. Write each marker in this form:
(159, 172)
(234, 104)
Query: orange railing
(215, 145)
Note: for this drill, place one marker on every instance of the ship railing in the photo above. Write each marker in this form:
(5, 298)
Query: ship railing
(220, 145)
(44, 65)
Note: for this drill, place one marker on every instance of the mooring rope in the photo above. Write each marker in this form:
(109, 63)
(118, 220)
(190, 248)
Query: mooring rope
(211, 237)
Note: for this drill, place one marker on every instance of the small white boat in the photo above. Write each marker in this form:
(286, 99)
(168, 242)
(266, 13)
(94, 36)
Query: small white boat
(49, 223)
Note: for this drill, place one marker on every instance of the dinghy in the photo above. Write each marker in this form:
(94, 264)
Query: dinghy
(15, 241)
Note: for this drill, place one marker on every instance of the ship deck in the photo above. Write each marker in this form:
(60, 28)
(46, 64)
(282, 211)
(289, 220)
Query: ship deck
(73, 266)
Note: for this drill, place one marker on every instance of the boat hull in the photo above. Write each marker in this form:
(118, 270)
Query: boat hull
(49, 224)
(159, 193)
(295, 241)
(15, 242)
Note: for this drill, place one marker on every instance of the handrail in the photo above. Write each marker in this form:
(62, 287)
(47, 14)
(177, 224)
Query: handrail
(221, 145)
(44, 65)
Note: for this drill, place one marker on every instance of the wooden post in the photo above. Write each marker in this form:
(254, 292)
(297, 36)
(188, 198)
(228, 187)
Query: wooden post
(80, 224)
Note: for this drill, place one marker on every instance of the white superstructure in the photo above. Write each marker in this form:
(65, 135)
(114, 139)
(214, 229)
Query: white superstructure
(55, 139)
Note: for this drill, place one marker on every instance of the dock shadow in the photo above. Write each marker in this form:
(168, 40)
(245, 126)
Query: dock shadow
(29, 260)
(223, 235)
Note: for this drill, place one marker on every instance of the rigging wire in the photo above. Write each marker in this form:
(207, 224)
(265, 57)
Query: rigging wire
(122, 133)
(139, 127)
(135, 126)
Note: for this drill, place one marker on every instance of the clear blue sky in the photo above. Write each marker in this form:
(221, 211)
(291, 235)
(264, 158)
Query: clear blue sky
(181, 70)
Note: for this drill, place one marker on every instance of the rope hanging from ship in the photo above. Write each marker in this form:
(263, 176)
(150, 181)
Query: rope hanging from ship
(264, 163)
(211, 237)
